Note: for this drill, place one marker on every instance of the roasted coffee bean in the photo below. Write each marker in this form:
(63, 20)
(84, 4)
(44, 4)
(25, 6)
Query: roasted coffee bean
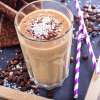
(1, 76)
(18, 51)
(90, 24)
(90, 29)
(26, 75)
(21, 77)
(98, 15)
(71, 59)
(22, 83)
(93, 6)
(84, 57)
(92, 18)
(17, 73)
(35, 89)
(28, 86)
(86, 6)
(96, 29)
(1, 81)
(62, 1)
(91, 13)
(23, 88)
(94, 34)
(85, 9)
(30, 82)
(14, 79)
(98, 20)
(14, 62)
(9, 78)
(77, 19)
(94, 12)
(86, 15)
(24, 69)
(86, 22)
(8, 64)
(6, 74)
(21, 57)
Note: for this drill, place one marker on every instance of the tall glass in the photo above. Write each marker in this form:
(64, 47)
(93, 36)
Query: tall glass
(47, 60)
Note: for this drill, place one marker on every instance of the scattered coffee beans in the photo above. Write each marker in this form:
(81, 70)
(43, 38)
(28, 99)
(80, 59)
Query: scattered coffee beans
(15, 74)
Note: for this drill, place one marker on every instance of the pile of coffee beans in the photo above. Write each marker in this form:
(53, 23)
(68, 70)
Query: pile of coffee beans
(92, 22)
(15, 75)
(92, 19)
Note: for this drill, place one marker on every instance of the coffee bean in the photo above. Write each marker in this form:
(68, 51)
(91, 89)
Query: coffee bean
(86, 22)
(92, 18)
(10, 78)
(93, 6)
(14, 61)
(71, 59)
(84, 57)
(10, 73)
(86, 15)
(26, 75)
(94, 34)
(21, 57)
(24, 69)
(35, 89)
(98, 15)
(90, 29)
(94, 12)
(14, 79)
(18, 81)
(6, 74)
(85, 10)
(62, 1)
(90, 24)
(17, 73)
(77, 19)
(1, 82)
(91, 13)
(18, 51)
(28, 86)
(1, 76)
(98, 20)
(86, 6)
(23, 88)
(31, 82)
(96, 29)
(22, 83)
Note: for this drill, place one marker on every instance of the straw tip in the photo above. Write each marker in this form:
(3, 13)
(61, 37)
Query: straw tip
(75, 96)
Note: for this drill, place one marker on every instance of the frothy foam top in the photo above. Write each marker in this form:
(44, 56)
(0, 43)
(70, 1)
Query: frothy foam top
(44, 25)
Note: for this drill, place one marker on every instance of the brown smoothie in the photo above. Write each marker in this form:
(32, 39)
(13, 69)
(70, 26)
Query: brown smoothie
(46, 41)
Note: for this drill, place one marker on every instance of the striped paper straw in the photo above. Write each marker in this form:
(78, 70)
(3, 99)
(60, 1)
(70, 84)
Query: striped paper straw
(77, 67)
(82, 23)
(82, 26)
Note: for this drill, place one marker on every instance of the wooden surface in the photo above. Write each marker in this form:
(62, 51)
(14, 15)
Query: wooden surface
(94, 88)
(11, 94)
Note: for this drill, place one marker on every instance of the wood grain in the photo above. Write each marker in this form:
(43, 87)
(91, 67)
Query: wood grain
(12, 94)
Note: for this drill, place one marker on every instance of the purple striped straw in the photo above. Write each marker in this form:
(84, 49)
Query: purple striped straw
(82, 26)
(77, 67)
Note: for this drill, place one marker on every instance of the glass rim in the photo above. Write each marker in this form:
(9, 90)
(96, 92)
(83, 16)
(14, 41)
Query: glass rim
(32, 39)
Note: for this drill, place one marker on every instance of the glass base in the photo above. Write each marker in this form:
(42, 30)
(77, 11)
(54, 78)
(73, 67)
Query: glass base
(49, 87)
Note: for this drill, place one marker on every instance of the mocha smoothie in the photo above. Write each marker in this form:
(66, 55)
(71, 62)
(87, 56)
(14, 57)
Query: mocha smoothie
(46, 41)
